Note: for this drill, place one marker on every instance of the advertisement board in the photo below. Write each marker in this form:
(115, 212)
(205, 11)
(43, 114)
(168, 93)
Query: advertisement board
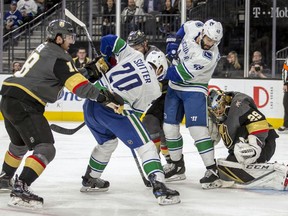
(267, 94)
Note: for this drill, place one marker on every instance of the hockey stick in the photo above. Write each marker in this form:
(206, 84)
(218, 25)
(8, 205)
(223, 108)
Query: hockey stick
(95, 53)
(146, 182)
(80, 23)
(66, 131)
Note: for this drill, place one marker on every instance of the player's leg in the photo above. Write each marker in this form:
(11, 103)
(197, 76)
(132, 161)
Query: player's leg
(196, 120)
(12, 159)
(253, 176)
(95, 114)
(26, 124)
(134, 135)
(173, 115)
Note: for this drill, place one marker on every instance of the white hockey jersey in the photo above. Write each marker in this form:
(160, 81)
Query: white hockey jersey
(132, 78)
(196, 65)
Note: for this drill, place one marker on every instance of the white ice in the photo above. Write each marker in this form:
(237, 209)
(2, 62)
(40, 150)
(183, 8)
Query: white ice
(60, 183)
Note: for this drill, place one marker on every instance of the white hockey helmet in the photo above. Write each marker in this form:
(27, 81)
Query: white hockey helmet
(213, 30)
(158, 61)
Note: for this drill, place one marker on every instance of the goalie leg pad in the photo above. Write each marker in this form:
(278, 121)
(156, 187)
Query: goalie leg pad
(271, 176)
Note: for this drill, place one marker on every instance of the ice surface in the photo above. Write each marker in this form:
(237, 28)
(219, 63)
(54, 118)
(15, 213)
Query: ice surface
(60, 183)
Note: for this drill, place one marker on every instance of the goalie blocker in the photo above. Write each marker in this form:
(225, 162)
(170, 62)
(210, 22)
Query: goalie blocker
(271, 176)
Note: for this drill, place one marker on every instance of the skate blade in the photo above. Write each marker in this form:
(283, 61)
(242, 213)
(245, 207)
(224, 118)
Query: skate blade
(5, 190)
(164, 200)
(19, 203)
(89, 189)
(216, 184)
(179, 177)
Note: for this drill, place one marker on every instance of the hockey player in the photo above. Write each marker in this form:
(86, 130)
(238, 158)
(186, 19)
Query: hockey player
(47, 70)
(134, 80)
(250, 141)
(194, 54)
(137, 40)
(154, 116)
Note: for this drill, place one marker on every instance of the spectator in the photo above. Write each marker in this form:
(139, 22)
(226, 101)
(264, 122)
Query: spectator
(108, 25)
(81, 59)
(176, 4)
(40, 6)
(13, 18)
(150, 6)
(258, 69)
(139, 3)
(16, 66)
(169, 21)
(284, 128)
(232, 67)
(28, 9)
(132, 17)
(189, 7)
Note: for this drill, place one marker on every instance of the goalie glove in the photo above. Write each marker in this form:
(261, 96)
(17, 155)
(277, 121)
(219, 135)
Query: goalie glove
(111, 100)
(248, 151)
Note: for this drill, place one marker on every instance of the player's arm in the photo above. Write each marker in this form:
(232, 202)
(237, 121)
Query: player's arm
(172, 43)
(255, 123)
(79, 85)
(187, 70)
(248, 151)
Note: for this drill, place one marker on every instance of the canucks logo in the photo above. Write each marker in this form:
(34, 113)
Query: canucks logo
(198, 66)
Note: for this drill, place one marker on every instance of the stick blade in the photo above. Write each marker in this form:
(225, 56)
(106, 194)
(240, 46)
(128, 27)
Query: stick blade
(65, 131)
(73, 18)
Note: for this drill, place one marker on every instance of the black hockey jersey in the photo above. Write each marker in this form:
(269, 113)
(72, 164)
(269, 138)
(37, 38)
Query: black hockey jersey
(44, 74)
(243, 118)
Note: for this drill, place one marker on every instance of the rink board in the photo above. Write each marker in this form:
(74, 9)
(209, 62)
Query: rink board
(267, 94)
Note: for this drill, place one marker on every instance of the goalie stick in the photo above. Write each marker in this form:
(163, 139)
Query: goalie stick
(95, 53)
(66, 131)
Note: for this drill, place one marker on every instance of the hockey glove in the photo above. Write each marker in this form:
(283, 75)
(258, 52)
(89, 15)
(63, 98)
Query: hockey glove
(92, 71)
(248, 151)
(173, 42)
(101, 64)
(111, 100)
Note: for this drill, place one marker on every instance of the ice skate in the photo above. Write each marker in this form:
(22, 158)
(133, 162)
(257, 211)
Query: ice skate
(174, 170)
(23, 198)
(6, 182)
(164, 195)
(94, 185)
(283, 130)
(211, 179)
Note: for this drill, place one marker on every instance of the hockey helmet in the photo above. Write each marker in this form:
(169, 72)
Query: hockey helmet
(218, 104)
(213, 30)
(60, 27)
(136, 38)
(158, 61)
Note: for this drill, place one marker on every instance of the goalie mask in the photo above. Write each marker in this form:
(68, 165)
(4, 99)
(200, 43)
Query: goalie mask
(218, 105)
(159, 63)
